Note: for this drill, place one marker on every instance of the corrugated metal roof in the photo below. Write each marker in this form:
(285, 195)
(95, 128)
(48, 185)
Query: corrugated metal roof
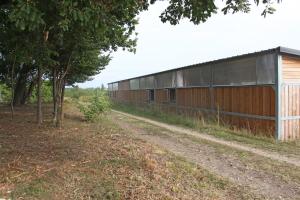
(279, 50)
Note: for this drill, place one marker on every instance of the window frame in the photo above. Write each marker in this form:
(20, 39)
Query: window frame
(172, 96)
(151, 93)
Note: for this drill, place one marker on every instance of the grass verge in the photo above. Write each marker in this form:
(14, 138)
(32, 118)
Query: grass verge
(286, 172)
(212, 128)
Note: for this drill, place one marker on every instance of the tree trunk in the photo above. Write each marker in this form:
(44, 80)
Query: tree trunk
(29, 91)
(54, 89)
(13, 86)
(60, 89)
(58, 102)
(39, 97)
(62, 104)
(21, 85)
(58, 107)
(12, 92)
(54, 94)
(20, 92)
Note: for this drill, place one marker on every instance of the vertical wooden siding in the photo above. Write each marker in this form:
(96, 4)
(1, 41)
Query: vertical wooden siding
(161, 96)
(290, 107)
(138, 96)
(290, 69)
(193, 97)
(290, 98)
(131, 96)
(252, 100)
(256, 126)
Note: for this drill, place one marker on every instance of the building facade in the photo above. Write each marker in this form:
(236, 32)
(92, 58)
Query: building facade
(258, 91)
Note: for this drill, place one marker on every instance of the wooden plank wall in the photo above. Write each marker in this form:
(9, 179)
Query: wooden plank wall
(290, 98)
(290, 69)
(290, 107)
(193, 97)
(161, 96)
(256, 126)
(254, 100)
(122, 96)
(131, 96)
(138, 96)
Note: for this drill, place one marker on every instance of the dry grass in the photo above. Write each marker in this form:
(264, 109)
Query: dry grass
(95, 161)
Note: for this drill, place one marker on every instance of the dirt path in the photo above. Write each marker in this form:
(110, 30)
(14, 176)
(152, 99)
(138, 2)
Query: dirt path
(226, 164)
(264, 153)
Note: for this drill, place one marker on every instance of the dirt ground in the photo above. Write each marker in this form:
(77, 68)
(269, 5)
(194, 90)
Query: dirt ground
(267, 174)
(292, 158)
(101, 161)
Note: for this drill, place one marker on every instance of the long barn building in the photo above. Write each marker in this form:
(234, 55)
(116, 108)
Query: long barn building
(258, 91)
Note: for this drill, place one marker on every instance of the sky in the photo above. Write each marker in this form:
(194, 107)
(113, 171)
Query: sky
(161, 46)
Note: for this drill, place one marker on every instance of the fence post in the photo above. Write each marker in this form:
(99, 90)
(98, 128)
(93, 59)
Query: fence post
(278, 86)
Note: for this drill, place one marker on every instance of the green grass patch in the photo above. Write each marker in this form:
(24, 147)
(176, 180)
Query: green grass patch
(36, 188)
(212, 128)
(93, 188)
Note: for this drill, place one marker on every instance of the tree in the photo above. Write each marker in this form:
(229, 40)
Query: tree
(106, 24)
(22, 52)
(198, 11)
(81, 41)
(70, 41)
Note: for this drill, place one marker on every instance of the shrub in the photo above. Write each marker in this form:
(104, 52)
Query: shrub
(85, 98)
(5, 94)
(98, 105)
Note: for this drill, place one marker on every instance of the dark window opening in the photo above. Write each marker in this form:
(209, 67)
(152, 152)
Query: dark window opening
(172, 95)
(151, 95)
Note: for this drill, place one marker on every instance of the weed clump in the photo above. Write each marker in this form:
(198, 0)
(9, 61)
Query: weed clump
(96, 106)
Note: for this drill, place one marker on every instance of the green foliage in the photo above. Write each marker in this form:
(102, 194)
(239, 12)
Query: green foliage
(97, 106)
(72, 39)
(26, 15)
(199, 11)
(77, 93)
(46, 93)
(5, 94)
(235, 6)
